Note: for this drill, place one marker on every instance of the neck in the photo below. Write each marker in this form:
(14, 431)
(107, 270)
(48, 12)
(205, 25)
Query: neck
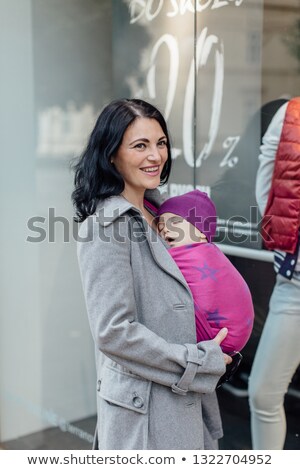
(136, 198)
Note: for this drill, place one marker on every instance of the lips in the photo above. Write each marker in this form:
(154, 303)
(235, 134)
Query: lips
(169, 240)
(151, 170)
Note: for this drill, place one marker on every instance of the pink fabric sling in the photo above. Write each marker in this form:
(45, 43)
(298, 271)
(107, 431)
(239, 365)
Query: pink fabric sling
(221, 295)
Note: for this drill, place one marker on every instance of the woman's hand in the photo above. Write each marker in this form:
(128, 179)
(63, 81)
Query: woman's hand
(218, 339)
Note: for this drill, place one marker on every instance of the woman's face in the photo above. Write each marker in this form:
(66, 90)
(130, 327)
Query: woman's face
(141, 156)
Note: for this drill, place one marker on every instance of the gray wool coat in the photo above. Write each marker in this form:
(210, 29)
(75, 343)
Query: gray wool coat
(155, 385)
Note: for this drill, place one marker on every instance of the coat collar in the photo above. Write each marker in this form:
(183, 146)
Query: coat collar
(115, 206)
(111, 208)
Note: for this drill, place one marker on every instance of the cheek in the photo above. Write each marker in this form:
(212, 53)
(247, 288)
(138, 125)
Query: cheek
(122, 167)
(119, 168)
(165, 156)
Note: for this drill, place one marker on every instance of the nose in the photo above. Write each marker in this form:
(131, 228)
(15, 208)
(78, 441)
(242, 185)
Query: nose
(165, 229)
(154, 155)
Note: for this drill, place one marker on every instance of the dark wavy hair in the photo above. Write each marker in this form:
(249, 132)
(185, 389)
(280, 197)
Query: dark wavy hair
(95, 176)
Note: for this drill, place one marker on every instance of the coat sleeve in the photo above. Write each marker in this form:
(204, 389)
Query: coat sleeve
(107, 280)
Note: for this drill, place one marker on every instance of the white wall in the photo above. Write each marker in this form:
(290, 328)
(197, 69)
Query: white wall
(47, 371)
(20, 333)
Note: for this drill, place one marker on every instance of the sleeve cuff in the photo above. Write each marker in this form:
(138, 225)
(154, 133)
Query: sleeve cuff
(193, 361)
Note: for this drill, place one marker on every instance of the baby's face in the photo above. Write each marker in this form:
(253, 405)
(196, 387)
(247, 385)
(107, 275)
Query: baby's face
(178, 231)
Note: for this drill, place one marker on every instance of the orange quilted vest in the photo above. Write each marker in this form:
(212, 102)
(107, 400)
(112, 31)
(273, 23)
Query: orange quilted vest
(280, 225)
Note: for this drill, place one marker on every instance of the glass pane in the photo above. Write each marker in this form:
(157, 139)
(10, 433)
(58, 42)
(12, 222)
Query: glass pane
(153, 60)
(229, 41)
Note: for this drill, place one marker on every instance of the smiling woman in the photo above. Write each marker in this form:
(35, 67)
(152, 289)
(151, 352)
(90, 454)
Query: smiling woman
(127, 132)
(155, 383)
(140, 160)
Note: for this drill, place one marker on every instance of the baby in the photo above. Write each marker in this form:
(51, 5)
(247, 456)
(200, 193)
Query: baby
(221, 296)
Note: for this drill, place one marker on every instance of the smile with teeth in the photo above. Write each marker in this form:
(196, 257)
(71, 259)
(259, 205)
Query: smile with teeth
(153, 169)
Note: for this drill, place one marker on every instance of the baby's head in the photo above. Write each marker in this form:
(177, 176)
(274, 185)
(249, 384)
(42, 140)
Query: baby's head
(186, 219)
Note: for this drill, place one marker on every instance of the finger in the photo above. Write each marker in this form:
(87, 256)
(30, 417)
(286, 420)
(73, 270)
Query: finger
(221, 336)
(227, 359)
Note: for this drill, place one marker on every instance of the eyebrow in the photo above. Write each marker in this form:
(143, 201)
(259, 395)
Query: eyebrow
(172, 219)
(143, 139)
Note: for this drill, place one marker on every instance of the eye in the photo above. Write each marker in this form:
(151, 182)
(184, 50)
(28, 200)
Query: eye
(140, 146)
(162, 143)
(175, 221)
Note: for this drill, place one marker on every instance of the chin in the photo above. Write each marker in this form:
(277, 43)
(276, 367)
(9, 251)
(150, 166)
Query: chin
(152, 184)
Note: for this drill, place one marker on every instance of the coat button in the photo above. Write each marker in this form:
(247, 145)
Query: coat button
(98, 385)
(138, 402)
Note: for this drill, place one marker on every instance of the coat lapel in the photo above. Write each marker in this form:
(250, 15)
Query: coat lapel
(112, 208)
(159, 250)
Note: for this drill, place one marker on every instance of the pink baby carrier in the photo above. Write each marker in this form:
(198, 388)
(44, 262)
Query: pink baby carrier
(221, 295)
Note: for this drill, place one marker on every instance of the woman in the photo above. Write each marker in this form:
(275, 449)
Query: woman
(155, 385)
(278, 353)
